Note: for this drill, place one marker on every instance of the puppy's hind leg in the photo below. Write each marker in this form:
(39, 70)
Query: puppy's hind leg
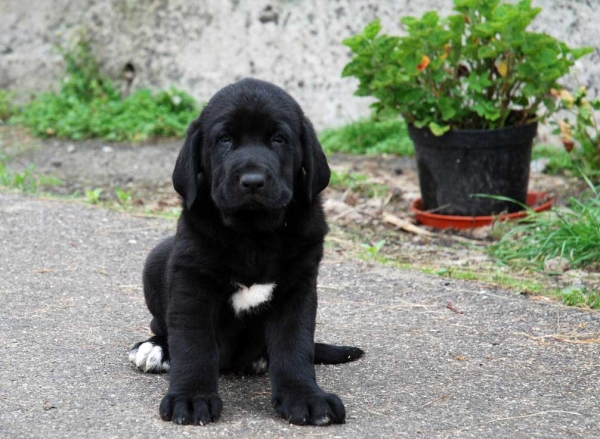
(151, 356)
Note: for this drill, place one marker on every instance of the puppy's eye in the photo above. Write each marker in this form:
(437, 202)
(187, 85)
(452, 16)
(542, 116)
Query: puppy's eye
(224, 139)
(277, 139)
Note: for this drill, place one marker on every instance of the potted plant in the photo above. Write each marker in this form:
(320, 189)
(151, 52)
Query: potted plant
(472, 87)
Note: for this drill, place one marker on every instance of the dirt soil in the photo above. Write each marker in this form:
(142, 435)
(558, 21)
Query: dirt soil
(360, 216)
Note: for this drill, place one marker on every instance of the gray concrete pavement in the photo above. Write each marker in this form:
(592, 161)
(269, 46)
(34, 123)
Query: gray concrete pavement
(71, 305)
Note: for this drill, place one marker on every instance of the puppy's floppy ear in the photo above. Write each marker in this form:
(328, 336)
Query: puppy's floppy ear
(187, 166)
(315, 165)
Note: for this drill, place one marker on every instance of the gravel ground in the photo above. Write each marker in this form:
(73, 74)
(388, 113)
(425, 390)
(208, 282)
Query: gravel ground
(495, 365)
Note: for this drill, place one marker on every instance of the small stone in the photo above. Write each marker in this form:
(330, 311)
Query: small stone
(71, 148)
(48, 406)
(268, 15)
(539, 166)
(57, 163)
(482, 233)
(557, 265)
(107, 149)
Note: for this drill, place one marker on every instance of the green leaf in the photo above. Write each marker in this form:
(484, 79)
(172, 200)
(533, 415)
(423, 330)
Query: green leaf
(595, 104)
(438, 130)
(548, 56)
(409, 21)
(488, 51)
(372, 29)
(430, 19)
(582, 51)
(447, 108)
(483, 30)
(585, 112)
(550, 104)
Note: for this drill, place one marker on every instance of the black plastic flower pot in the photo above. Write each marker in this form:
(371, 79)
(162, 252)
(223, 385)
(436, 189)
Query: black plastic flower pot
(454, 167)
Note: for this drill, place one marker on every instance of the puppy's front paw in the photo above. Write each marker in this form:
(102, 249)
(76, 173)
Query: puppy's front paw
(191, 408)
(314, 408)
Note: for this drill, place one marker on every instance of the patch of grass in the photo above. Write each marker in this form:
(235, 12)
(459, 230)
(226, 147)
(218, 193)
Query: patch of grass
(88, 104)
(26, 181)
(573, 234)
(559, 159)
(369, 137)
(454, 273)
(124, 201)
(580, 297)
(7, 107)
(512, 282)
(172, 214)
(517, 283)
(356, 182)
(345, 180)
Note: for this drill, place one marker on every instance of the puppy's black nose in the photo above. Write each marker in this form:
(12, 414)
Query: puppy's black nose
(252, 181)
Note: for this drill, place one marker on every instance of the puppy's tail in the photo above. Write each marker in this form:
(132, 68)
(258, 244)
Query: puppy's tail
(330, 354)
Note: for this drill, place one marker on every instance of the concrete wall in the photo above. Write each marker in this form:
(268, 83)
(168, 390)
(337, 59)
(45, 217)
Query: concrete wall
(202, 45)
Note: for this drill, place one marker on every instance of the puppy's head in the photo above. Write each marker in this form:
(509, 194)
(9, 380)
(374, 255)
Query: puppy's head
(255, 151)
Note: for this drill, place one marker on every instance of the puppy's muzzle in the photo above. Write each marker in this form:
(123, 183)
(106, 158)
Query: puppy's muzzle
(250, 180)
(254, 188)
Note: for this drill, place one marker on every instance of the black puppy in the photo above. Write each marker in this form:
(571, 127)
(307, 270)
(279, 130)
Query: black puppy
(235, 290)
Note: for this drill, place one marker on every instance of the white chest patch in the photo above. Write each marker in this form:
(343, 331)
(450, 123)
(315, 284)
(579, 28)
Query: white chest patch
(249, 297)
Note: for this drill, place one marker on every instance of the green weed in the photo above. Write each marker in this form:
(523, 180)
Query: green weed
(444, 272)
(26, 181)
(559, 159)
(373, 250)
(356, 182)
(92, 196)
(7, 107)
(124, 197)
(577, 296)
(369, 137)
(90, 105)
(173, 213)
(573, 234)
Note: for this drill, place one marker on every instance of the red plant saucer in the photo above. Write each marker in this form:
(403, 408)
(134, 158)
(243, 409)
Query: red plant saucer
(539, 201)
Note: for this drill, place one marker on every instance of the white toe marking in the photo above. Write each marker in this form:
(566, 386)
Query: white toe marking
(154, 358)
(249, 297)
(149, 356)
(323, 421)
(142, 353)
(132, 354)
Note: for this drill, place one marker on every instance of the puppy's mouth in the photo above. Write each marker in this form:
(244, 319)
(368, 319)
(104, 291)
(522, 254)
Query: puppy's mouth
(254, 213)
(254, 205)
(249, 220)
(232, 204)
